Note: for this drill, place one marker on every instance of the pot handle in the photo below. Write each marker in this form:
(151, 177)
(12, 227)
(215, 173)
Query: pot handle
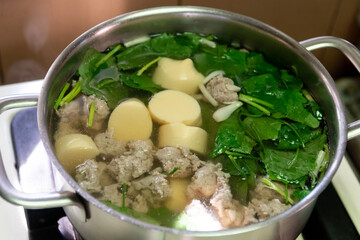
(31, 200)
(351, 52)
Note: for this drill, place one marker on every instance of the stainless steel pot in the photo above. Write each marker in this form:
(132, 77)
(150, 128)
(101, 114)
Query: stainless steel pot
(96, 221)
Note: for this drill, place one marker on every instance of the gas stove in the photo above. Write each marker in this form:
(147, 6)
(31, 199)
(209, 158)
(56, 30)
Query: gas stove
(336, 214)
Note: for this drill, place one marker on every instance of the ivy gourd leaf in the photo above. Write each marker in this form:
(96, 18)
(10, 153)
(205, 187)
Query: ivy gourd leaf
(231, 135)
(277, 161)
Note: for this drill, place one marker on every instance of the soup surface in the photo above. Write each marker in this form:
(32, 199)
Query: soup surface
(183, 131)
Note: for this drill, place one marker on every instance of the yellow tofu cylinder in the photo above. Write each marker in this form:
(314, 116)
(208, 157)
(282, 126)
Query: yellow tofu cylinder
(177, 75)
(130, 120)
(178, 134)
(178, 200)
(74, 149)
(171, 106)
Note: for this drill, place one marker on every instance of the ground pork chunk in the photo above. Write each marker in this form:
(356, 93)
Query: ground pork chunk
(201, 217)
(155, 187)
(108, 145)
(210, 184)
(88, 175)
(73, 116)
(265, 209)
(141, 193)
(204, 182)
(266, 202)
(222, 89)
(133, 200)
(70, 119)
(262, 191)
(133, 163)
(180, 157)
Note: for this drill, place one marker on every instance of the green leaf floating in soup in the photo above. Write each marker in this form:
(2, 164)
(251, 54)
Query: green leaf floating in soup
(202, 134)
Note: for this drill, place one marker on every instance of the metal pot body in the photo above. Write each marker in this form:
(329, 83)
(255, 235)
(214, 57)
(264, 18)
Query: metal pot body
(103, 222)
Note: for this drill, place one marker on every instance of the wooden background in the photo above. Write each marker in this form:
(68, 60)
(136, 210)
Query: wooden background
(34, 32)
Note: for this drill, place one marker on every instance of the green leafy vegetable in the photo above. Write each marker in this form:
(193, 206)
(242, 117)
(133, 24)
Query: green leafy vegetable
(266, 127)
(239, 188)
(232, 62)
(292, 136)
(256, 65)
(290, 81)
(231, 135)
(300, 194)
(287, 103)
(103, 81)
(163, 45)
(142, 82)
(276, 162)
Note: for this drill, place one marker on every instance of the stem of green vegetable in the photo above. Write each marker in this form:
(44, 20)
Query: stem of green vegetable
(307, 95)
(291, 163)
(240, 155)
(276, 188)
(295, 131)
(72, 94)
(63, 91)
(256, 100)
(91, 114)
(108, 55)
(236, 165)
(106, 81)
(173, 171)
(143, 69)
(250, 100)
(123, 196)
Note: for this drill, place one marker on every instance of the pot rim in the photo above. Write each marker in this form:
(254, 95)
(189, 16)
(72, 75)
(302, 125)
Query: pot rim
(104, 26)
